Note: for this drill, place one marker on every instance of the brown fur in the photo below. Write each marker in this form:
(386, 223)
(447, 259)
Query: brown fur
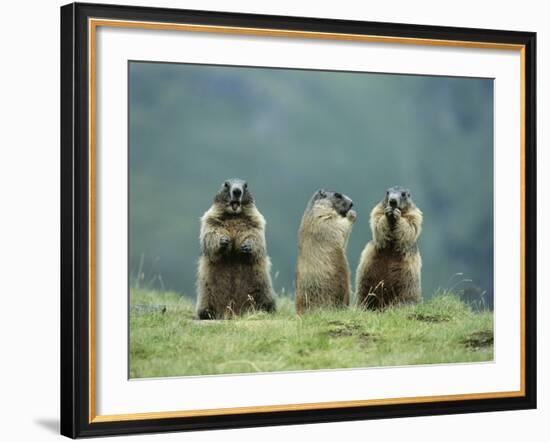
(322, 271)
(390, 265)
(231, 281)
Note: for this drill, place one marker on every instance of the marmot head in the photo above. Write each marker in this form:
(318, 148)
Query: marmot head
(398, 197)
(234, 196)
(342, 204)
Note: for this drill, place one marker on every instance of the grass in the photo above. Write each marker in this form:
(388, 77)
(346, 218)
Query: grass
(165, 340)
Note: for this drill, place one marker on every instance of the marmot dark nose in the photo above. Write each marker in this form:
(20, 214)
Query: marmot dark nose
(393, 202)
(237, 192)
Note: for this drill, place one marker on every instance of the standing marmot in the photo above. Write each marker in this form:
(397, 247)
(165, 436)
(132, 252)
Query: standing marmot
(233, 274)
(322, 271)
(389, 269)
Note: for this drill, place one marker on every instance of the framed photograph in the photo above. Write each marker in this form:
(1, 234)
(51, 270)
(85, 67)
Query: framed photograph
(273, 220)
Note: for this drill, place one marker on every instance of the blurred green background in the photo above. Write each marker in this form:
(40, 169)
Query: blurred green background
(290, 132)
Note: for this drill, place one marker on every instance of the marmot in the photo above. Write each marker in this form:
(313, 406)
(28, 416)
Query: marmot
(390, 264)
(234, 268)
(322, 270)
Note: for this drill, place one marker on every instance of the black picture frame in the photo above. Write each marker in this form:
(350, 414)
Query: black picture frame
(75, 219)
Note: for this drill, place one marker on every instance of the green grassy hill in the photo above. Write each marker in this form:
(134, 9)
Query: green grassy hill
(165, 340)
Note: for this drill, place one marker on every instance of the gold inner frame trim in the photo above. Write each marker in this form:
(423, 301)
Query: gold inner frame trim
(301, 34)
(93, 24)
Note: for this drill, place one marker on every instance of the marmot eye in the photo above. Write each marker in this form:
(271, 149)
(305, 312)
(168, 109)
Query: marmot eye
(338, 195)
(245, 185)
(403, 194)
(226, 184)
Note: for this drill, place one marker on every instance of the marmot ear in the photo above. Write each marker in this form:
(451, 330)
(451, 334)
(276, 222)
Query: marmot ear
(322, 193)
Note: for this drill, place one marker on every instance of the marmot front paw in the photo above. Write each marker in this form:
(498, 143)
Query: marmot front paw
(391, 213)
(352, 215)
(246, 248)
(225, 242)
